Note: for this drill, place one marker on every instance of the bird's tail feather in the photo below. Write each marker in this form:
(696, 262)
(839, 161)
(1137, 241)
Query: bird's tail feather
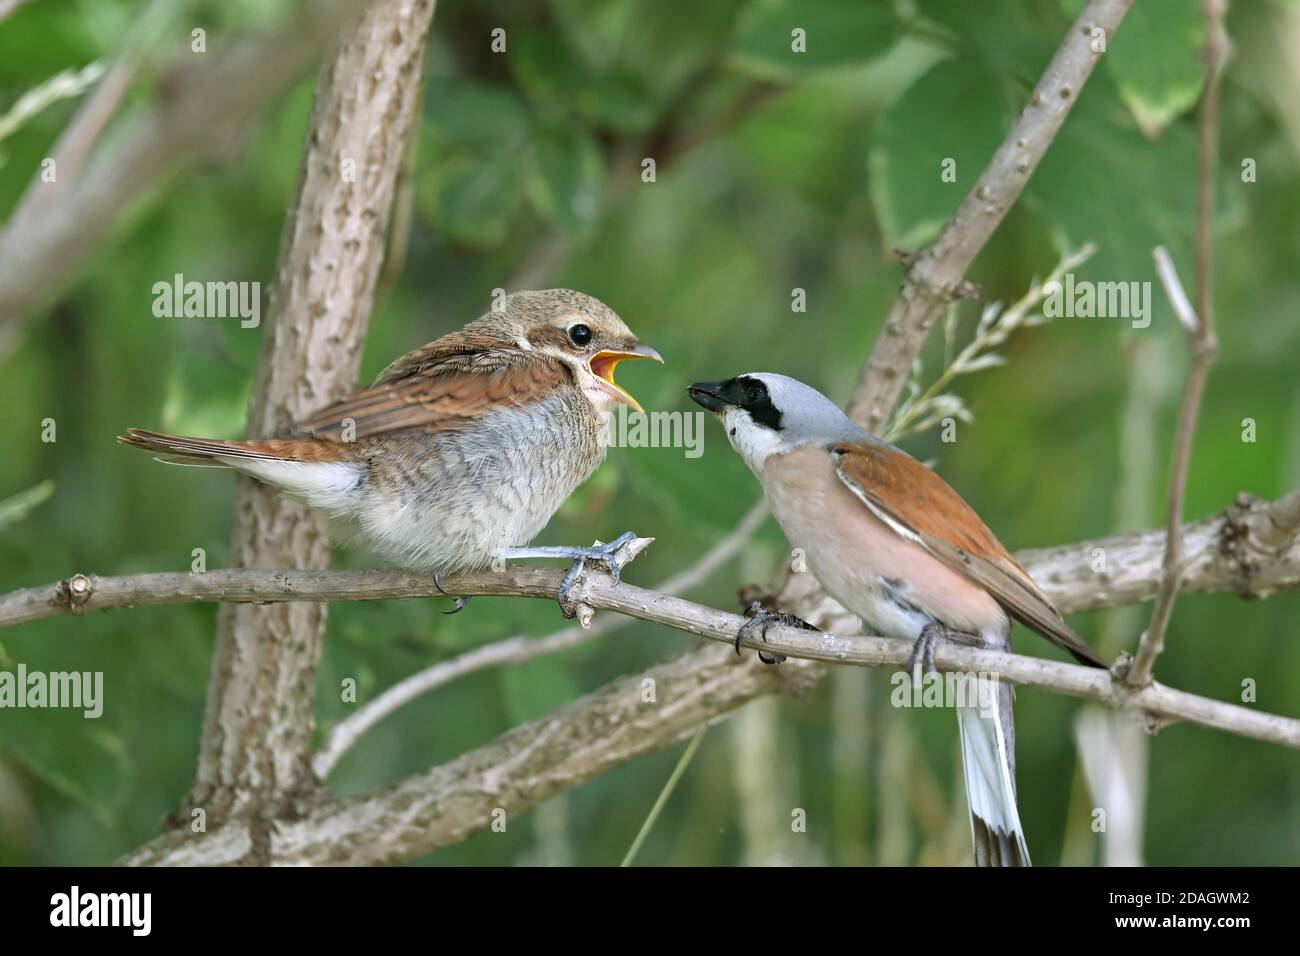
(207, 450)
(988, 747)
(313, 470)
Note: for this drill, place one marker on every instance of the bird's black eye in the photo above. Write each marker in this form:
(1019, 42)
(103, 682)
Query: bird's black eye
(580, 334)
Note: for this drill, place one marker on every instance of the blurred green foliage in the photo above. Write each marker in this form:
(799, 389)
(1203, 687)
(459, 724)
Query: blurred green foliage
(775, 171)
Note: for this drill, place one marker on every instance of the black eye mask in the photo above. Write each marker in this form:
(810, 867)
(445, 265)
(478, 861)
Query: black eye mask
(740, 392)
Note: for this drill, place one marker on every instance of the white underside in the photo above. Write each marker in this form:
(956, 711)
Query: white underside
(326, 485)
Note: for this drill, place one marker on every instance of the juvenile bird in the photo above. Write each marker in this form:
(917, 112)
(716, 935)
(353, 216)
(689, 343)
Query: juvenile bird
(892, 542)
(462, 450)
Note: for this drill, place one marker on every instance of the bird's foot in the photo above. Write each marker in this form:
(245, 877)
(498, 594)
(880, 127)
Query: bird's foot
(759, 620)
(611, 555)
(614, 556)
(920, 664)
(460, 599)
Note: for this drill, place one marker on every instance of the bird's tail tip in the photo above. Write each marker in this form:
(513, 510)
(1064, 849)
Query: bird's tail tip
(988, 764)
(176, 449)
(995, 846)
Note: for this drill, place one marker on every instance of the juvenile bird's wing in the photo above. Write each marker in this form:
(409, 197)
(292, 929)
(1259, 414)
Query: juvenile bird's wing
(445, 384)
(920, 506)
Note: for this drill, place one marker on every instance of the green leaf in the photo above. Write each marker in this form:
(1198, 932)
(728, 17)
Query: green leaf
(619, 102)
(1154, 60)
(546, 69)
(661, 43)
(999, 31)
(478, 196)
(1102, 181)
(831, 33)
(465, 111)
(954, 117)
(536, 688)
(564, 176)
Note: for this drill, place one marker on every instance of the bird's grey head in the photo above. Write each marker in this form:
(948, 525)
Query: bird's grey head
(765, 413)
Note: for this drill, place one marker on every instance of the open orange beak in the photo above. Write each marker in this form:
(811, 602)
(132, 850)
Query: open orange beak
(602, 366)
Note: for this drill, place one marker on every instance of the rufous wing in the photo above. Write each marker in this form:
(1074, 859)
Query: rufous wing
(445, 384)
(917, 504)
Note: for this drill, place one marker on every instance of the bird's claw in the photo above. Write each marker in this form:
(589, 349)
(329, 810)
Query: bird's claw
(461, 600)
(920, 663)
(759, 619)
(568, 596)
(608, 554)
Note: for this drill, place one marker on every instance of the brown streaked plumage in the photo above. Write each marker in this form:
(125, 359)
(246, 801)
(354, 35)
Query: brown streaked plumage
(462, 449)
(442, 385)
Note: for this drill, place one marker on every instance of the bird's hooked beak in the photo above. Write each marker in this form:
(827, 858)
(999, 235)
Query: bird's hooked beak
(717, 397)
(601, 365)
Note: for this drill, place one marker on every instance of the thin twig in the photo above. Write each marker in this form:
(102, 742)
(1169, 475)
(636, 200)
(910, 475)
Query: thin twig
(64, 85)
(597, 590)
(1199, 328)
(920, 409)
(1249, 549)
(664, 794)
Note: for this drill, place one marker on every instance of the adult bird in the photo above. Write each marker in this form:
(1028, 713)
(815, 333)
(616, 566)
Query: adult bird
(462, 450)
(891, 541)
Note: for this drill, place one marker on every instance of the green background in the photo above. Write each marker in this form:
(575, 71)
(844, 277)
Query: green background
(775, 171)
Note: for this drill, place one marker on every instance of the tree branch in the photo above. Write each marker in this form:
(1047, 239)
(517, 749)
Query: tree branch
(515, 650)
(519, 769)
(1251, 548)
(260, 715)
(631, 717)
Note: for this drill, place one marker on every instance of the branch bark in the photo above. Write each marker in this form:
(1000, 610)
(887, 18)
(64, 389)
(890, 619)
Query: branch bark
(260, 715)
(599, 592)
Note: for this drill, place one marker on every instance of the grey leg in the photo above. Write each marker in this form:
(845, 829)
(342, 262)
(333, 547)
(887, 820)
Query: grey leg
(921, 662)
(607, 554)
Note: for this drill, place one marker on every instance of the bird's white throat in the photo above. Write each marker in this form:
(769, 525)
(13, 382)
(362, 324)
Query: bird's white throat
(753, 442)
